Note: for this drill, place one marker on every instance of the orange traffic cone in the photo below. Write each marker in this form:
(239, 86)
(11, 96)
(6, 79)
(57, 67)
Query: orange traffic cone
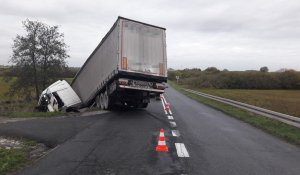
(162, 147)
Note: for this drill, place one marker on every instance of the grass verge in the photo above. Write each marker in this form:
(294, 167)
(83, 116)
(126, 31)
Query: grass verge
(274, 127)
(33, 114)
(12, 159)
(284, 101)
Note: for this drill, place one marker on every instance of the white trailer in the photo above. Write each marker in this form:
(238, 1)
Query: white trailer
(128, 64)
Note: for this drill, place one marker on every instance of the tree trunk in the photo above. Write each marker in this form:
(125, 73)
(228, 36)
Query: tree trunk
(45, 65)
(37, 91)
(44, 72)
(33, 58)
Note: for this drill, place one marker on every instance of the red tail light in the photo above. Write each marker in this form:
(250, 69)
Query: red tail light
(123, 82)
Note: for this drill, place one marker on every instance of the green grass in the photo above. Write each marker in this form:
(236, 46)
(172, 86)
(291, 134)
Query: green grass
(33, 114)
(274, 127)
(4, 87)
(12, 159)
(284, 101)
(15, 107)
(69, 80)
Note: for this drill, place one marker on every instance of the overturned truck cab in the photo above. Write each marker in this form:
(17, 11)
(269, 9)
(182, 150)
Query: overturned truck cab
(59, 96)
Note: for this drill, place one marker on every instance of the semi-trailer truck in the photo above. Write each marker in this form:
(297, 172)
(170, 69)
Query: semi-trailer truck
(128, 65)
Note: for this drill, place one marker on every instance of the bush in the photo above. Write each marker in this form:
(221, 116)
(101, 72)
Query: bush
(213, 78)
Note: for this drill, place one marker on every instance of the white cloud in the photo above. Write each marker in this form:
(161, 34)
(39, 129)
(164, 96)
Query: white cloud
(233, 34)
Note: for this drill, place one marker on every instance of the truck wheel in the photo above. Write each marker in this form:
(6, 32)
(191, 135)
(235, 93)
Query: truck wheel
(105, 100)
(101, 101)
(97, 100)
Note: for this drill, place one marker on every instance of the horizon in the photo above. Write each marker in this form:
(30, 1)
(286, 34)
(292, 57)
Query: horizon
(279, 70)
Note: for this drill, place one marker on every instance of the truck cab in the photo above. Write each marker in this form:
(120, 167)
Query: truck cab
(58, 97)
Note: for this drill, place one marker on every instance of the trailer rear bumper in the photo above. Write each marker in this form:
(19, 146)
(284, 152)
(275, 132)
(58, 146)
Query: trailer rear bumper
(143, 89)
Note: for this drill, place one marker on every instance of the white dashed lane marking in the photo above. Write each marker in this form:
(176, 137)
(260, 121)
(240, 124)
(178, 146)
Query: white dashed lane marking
(181, 150)
(164, 107)
(170, 117)
(173, 124)
(164, 101)
(175, 133)
(163, 97)
(170, 112)
(180, 147)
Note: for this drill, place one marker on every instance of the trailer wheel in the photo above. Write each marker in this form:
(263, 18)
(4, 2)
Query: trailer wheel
(101, 101)
(97, 100)
(105, 100)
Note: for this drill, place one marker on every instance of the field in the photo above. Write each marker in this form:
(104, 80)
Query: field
(274, 127)
(284, 101)
(18, 107)
(4, 86)
(69, 80)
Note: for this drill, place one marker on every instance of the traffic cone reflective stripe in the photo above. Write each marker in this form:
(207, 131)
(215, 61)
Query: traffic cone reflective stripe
(162, 147)
(161, 139)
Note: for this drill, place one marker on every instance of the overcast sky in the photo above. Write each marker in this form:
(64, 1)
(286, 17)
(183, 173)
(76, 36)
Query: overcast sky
(231, 34)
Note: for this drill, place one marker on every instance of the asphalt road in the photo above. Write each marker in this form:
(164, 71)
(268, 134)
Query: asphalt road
(124, 141)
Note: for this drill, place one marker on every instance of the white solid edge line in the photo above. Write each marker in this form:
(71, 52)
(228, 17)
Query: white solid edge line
(170, 111)
(165, 101)
(175, 133)
(164, 107)
(181, 150)
(170, 117)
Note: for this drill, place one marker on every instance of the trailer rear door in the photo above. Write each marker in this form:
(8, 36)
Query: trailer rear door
(142, 48)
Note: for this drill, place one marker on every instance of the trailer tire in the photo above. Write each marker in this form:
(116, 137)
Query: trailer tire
(105, 100)
(97, 100)
(101, 101)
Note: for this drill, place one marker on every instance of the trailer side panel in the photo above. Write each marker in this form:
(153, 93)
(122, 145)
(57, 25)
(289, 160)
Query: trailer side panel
(101, 65)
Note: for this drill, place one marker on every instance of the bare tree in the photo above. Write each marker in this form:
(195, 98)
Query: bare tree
(53, 54)
(38, 57)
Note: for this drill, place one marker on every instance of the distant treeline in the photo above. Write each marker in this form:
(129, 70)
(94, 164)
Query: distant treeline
(214, 78)
(68, 72)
